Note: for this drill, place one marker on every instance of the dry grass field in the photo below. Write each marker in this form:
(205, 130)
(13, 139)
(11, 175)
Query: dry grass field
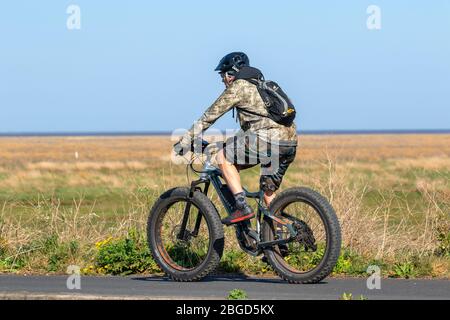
(63, 199)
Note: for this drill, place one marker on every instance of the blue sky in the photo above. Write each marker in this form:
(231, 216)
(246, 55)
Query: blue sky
(144, 65)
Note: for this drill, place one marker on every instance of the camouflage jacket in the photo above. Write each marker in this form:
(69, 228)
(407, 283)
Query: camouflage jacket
(252, 115)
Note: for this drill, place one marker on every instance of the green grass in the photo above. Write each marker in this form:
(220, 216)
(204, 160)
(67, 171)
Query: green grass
(128, 254)
(108, 203)
(403, 201)
(414, 173)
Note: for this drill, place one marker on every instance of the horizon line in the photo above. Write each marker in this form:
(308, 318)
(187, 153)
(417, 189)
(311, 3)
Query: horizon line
(168, 133)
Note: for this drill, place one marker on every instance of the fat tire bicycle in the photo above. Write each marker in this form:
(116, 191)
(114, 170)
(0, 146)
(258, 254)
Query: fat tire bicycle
(298, 235)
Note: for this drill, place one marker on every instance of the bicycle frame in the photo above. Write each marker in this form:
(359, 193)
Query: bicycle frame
(211, 175)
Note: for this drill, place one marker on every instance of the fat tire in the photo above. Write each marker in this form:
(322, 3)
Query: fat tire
(332, 228)
(212, 218)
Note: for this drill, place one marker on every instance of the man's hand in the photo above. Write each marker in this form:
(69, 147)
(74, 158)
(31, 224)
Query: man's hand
(181, 149)
(197, 145)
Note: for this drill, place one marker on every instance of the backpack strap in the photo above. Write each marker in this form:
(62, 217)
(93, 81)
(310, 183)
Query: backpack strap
(258, 83)
(254, 81)
(254, 113)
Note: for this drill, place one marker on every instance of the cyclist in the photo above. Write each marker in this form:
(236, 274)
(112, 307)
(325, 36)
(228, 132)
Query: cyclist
(261, 140)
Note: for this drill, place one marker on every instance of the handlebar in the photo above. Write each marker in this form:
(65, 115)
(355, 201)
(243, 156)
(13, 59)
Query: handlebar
(200, 146)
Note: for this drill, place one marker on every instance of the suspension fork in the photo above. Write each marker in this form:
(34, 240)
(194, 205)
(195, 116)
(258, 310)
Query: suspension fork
(199, 214)
(182, 235)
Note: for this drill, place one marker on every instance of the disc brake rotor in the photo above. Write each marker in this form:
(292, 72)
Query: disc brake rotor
(186, 239)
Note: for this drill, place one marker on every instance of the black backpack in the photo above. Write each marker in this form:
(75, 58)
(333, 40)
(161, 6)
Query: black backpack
(279, 106)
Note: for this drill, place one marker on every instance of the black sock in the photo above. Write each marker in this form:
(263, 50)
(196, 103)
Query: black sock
(240, 200)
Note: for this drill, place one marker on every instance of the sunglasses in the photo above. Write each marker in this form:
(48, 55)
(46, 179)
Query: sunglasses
(228, 74)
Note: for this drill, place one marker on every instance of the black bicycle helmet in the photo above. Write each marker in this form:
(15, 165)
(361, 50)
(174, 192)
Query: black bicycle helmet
(233, 62)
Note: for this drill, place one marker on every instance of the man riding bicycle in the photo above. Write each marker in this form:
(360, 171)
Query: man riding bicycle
(261, 139)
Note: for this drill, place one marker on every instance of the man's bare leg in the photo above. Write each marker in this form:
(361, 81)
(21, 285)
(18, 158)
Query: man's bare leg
(230, 173)
(231, 176)
(233, 180)
(268, 197)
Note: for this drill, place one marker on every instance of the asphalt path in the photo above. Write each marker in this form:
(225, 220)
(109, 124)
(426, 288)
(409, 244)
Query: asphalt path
(141, 287)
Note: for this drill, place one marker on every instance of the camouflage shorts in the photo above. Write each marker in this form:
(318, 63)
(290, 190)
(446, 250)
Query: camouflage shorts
(248, 151)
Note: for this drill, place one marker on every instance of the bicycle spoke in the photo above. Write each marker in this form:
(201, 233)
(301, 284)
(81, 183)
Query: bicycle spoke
(184, 249)
(306, 251)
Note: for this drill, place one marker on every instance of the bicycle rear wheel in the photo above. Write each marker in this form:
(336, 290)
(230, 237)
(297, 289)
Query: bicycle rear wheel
(312, 255)
(191, 255)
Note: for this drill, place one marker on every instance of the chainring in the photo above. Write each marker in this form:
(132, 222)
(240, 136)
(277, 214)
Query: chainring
(305, 235)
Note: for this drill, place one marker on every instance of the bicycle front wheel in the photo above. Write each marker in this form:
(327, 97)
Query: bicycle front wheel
(194, 253)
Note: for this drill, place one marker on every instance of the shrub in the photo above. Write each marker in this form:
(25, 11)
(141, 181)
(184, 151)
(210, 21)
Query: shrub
(124, 256)
(13, 263)
(351, 263)
(3, 248)
(12, 259)
(61, 254)
(232, 261)
(404, 270)
(237, 294)
(443, 249)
